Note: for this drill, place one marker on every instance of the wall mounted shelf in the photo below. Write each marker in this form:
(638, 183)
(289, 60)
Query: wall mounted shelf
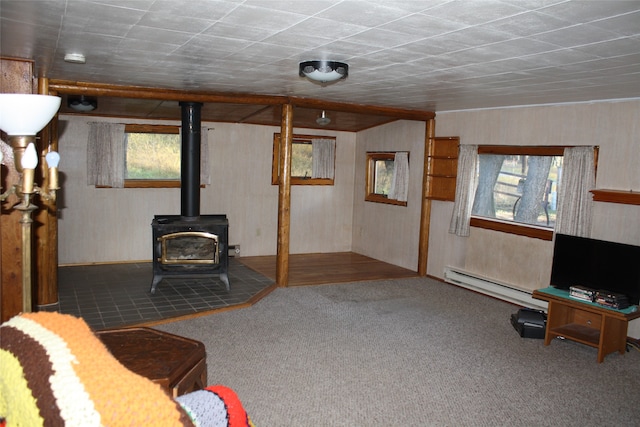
(617, 196)
(442, 168)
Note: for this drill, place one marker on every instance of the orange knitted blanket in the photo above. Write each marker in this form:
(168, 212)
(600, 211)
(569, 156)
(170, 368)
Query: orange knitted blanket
(55, 371)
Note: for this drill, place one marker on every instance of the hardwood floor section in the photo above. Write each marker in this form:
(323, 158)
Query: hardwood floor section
(317, 269)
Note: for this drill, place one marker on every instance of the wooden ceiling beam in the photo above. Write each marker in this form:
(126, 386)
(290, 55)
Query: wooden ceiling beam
(399, 113)
(118, 91)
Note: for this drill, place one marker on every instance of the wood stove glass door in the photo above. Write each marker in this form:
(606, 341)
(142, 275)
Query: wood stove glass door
(189, 247)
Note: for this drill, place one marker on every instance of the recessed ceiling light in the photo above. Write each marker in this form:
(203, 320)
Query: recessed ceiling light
(75, 58)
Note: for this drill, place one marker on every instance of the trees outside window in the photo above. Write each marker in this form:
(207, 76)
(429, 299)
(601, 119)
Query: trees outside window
(519, 186)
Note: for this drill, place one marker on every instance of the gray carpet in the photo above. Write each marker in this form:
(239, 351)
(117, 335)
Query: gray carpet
(411, 352)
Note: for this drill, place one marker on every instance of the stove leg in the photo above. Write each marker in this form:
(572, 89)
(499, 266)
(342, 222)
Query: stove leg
(225, 279)
(154, 283)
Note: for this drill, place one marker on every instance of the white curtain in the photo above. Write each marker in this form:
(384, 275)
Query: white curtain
(323, 157)
(400, 178)
(106, 154)
(466, 182)
(574, 199)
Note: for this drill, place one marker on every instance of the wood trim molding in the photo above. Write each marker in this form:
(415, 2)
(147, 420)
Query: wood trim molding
(147, 128)
(616, 196)
(521, 150)
(512, 228)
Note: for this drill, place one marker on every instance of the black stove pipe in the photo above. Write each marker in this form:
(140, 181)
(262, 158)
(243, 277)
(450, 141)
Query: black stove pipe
(190, 160)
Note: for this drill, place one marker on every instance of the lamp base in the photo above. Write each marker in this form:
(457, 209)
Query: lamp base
(27, 208)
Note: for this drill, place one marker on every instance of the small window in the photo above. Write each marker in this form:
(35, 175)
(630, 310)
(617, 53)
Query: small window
(152, 156)
(312, 160)
(380, 171)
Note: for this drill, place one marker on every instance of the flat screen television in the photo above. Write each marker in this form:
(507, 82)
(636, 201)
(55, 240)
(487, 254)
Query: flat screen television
(596, 264)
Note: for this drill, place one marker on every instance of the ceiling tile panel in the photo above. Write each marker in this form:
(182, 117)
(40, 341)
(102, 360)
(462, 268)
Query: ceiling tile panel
(99, 18)
(422, 25)
(589, 11)
(362, 12)
(472, 13)
(273, 20)
(410, 54)
(212, 11)
(530, 23)
(383, 39)
(625, 25)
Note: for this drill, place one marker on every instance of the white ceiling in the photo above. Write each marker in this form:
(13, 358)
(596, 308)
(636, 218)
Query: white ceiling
(432, 55)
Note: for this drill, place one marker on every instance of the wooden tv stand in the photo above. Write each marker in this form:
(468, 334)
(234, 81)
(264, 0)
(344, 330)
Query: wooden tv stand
(585, 322)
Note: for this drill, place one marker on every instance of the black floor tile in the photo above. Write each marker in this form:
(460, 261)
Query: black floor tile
(117, 295)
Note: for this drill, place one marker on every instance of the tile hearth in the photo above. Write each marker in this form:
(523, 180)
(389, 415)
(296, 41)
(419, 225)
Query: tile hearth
(117, 295)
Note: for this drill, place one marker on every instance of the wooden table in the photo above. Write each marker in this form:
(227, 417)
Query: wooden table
(584, 322)
(176, 363)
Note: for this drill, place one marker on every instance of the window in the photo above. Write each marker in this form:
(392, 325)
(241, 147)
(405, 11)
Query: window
(381, 167)
(152, 156)
(312, 160)
(517, 187)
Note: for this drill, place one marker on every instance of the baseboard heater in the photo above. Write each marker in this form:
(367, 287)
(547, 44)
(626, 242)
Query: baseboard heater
(492, 287)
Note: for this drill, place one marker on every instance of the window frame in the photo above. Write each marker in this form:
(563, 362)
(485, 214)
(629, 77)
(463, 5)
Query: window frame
(520, 229)
(152, 183)
(370, 194)
(275, 163)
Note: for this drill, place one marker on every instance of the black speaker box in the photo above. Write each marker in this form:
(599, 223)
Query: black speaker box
(529, 323)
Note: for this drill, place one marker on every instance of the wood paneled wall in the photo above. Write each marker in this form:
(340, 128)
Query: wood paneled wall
(16, 78)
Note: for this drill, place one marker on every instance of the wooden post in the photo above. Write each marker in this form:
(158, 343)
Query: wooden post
(284, 196)
(425, 217)
(15, 78)
(46, 234)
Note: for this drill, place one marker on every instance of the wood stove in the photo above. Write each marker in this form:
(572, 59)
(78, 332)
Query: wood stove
(187, 248)
(190, 244)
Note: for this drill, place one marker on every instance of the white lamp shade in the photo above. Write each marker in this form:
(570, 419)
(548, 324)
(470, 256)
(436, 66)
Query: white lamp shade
(24, 114)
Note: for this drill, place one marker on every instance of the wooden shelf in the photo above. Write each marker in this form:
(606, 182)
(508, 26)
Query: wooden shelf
(442, 168)
(579, 333)
(617, 196)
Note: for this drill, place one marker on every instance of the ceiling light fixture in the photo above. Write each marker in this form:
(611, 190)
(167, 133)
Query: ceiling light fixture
(324, 71)
(82, 103)
(75, 58)
(323, 119)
